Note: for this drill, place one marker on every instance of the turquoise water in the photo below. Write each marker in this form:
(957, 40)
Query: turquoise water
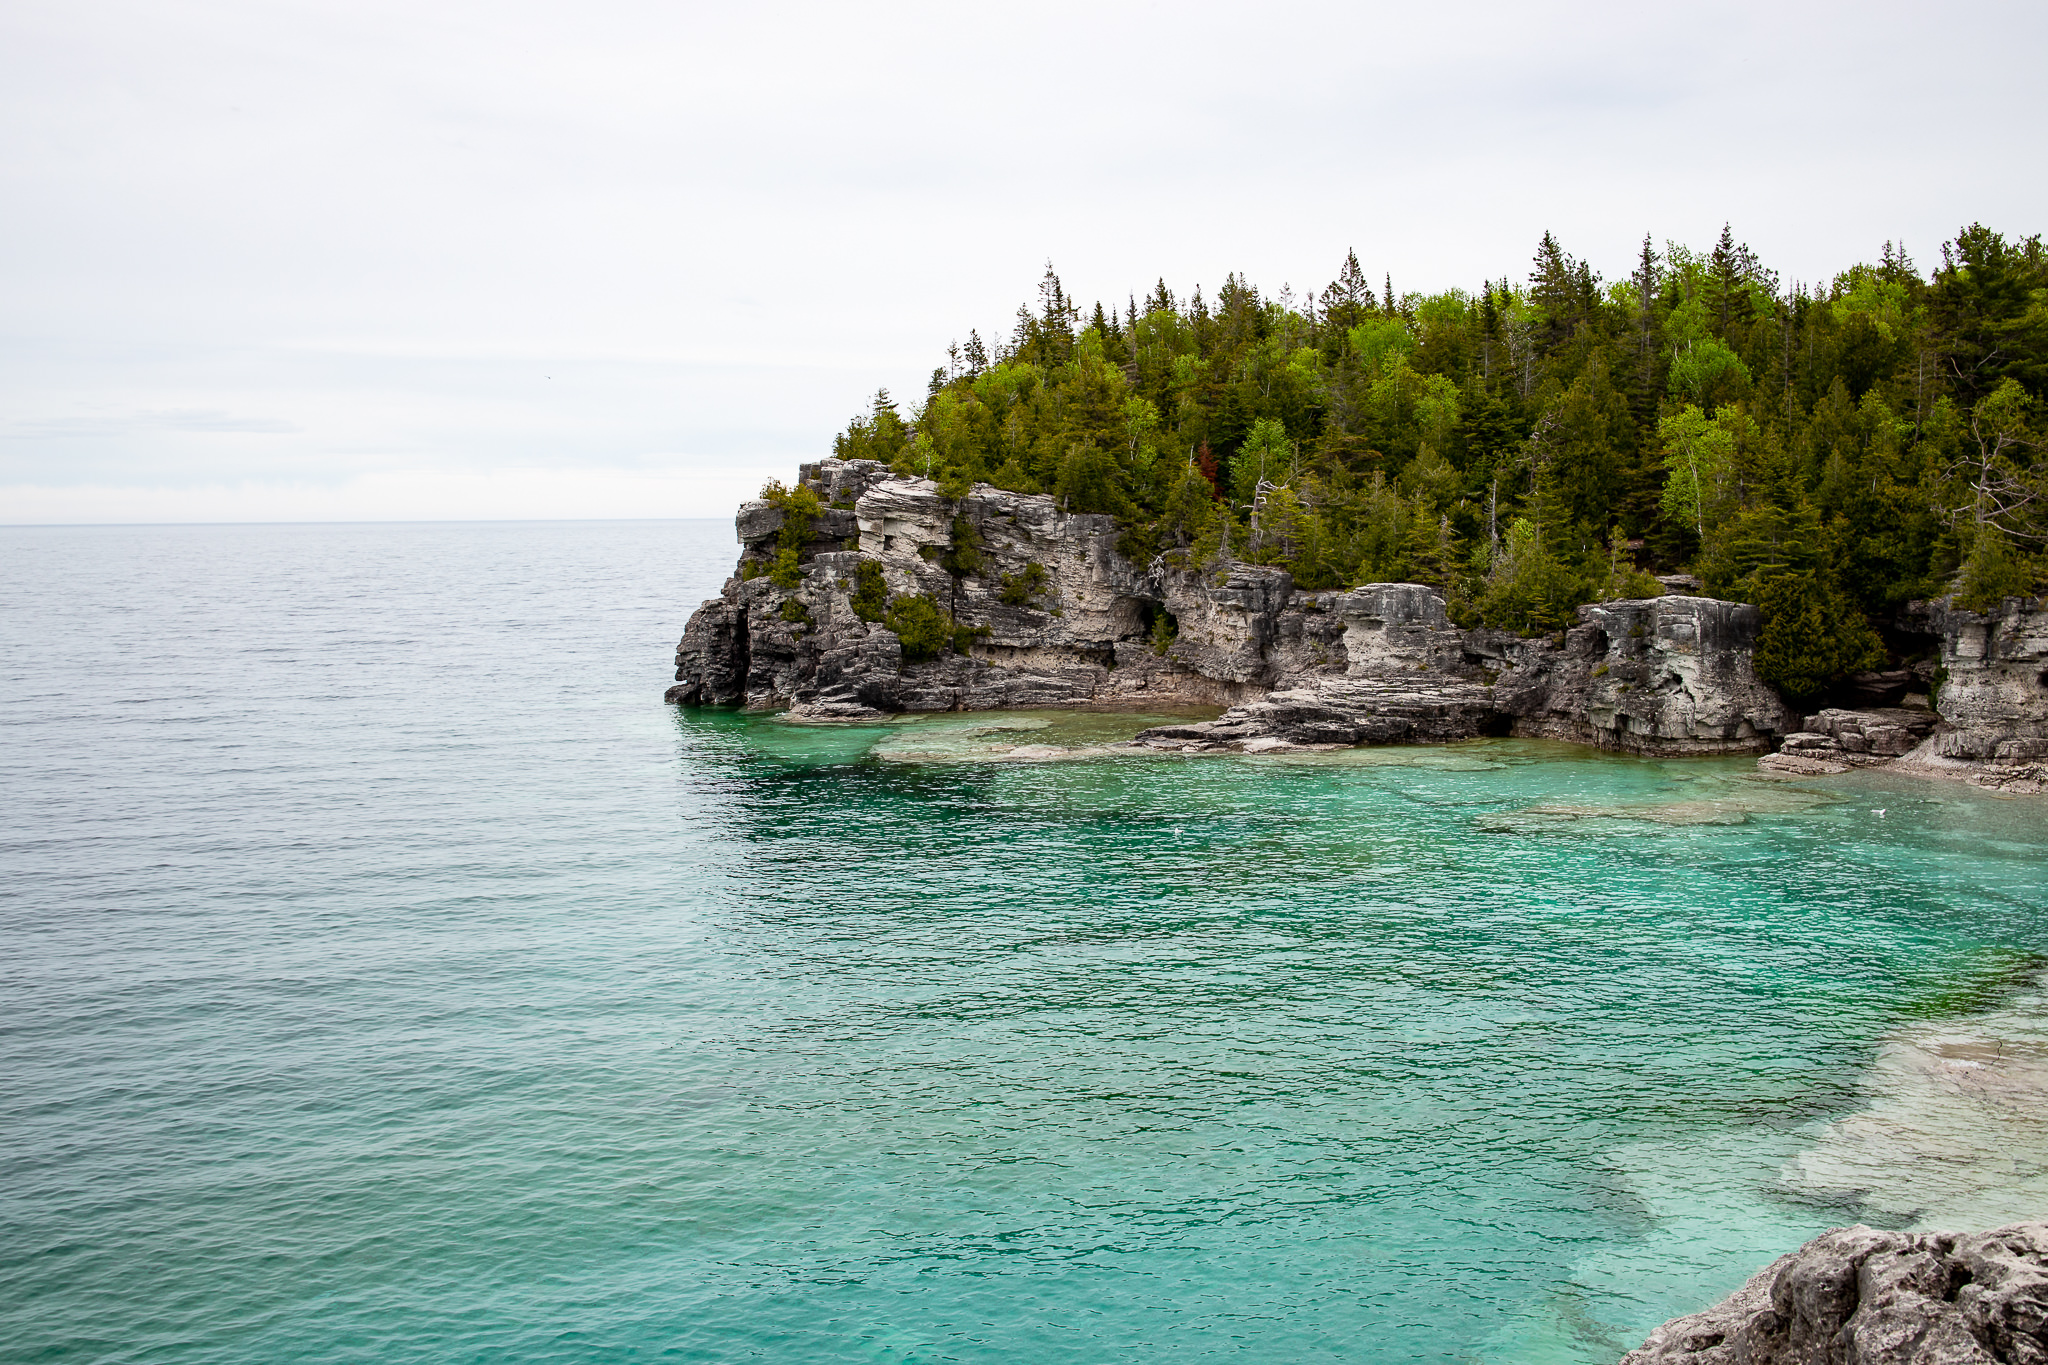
(388, 976)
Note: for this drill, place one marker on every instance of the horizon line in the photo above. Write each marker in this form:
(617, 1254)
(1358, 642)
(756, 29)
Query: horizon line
(348, 521)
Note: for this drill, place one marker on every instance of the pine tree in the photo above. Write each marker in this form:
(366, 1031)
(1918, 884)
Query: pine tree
(1348, 298)
(1554, 288)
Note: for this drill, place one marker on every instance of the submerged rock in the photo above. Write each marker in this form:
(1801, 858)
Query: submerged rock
(1858, 1296)
(1954, 1131)
(1050, 614)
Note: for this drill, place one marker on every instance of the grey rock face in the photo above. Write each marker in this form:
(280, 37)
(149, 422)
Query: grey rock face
(1377, 664)
(1653, 675)
(1856, 1296)
(1995, 663)
(1668, 675)
(1994, 697)
(1381, 664)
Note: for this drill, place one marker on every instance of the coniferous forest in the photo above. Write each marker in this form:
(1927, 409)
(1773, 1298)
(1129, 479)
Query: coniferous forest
(1829, 453)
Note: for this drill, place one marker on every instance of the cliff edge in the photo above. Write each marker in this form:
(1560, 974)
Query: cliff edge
(1041, 610)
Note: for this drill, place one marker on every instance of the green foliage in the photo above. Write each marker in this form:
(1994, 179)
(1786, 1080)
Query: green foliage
(793, 610)
(800, 508)
(962, 557)
(1529, 589)
(870, 598)
(1811, 636)
(879, 435)
(925, 631)
(1707, 370)
(1165, 630)
(1266, 453)
(1699, 466)
(1881, 437)
(1021, 589)
(1993, 572)
(1088, 481)
(1620, 579)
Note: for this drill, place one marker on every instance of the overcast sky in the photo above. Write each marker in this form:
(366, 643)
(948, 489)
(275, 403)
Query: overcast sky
(341, 259)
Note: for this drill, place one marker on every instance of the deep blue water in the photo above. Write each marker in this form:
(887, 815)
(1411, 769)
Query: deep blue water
(386, 975)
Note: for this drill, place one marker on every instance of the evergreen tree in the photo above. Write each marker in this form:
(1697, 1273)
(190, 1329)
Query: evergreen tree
(1838, 451)
(1811, 636)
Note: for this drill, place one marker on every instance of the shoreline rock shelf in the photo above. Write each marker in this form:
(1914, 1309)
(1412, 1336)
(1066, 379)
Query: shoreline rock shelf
(1989, 722)
(1046, 613)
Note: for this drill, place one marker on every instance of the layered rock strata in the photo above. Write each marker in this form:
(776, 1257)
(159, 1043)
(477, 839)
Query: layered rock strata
(1835, 740)
(1664, 675)
(1863, 1297)
(1050, 614)
(1992, 695)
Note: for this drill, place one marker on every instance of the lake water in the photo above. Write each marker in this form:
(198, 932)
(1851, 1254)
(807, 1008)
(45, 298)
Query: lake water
(388, 976)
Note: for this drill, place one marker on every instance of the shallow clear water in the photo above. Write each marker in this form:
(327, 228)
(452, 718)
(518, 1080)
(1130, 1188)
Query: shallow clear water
(388, 976)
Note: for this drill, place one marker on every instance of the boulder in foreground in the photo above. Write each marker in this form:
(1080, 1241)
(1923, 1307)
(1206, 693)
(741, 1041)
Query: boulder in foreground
(1857, 1296)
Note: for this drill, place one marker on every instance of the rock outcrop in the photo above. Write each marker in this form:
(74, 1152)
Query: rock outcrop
(1666, 675)
(1988, 723)
(1048, 613)
(1856, 1296)
(1656, 675)
(1992, 696)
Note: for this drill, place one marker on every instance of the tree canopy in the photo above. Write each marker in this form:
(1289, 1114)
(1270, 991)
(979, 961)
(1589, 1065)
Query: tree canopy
(1827, 451)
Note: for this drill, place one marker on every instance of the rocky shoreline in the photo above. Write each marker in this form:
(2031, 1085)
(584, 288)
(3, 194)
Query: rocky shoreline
(1989, 722)
(1046, 613)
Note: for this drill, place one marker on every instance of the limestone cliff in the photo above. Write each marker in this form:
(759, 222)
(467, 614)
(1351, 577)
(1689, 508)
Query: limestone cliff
(1878, 1298)
(1993, 695)
(1989, 721)
(1086, 626)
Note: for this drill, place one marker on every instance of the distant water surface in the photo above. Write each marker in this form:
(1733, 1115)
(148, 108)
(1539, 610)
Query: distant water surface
(388, 976)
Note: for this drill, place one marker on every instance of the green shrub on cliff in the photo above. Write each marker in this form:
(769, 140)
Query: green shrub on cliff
(870, 599)
(1019, 589)
(800, 508)
(925, 631)
(962, 556)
